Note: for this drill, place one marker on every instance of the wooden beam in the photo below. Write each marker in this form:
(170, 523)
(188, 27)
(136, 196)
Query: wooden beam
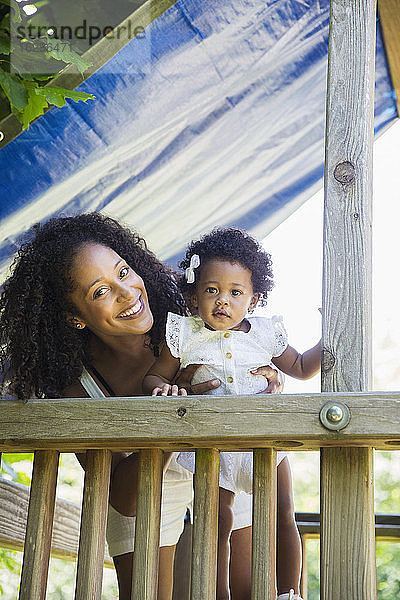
(39, 526)
(92, 538)
(147, 532)
(389, 13)
(205, 525)
(347, 538)
(264, 525)
(286, 421)
(14, 500)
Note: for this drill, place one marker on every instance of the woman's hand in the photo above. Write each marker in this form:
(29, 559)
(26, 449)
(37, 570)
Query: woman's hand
(274, 383)
(184, 377)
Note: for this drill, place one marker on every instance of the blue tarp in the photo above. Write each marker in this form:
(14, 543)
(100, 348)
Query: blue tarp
(214, 116)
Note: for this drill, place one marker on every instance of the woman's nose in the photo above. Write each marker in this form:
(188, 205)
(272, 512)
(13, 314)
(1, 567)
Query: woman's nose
(125, 291)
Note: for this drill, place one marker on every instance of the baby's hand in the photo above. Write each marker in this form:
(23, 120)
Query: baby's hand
(169, 390)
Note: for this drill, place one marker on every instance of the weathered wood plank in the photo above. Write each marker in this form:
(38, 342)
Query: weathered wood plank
(205, 525)
(348, 197)
(347, 525)
(389, 13)
(147, 532)
(264, 524)
(347, 542)
(14, 500)
(89, 575)
(39, 526)
(243, 422)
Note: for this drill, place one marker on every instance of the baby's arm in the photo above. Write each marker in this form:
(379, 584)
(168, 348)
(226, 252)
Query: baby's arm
(159, 376)
(300, 366)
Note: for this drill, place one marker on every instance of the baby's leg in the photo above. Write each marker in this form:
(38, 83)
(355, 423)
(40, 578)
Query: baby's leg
(288, 539)
(225, 525)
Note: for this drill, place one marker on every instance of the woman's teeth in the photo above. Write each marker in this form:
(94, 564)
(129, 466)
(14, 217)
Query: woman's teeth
(132, 311)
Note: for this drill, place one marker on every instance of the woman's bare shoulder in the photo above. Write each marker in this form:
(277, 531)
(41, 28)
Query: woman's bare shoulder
(75, 390)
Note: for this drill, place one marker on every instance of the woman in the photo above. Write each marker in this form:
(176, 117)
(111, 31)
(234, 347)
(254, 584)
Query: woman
(87, 302)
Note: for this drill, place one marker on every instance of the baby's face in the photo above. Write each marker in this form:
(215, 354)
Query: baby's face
(224, 294)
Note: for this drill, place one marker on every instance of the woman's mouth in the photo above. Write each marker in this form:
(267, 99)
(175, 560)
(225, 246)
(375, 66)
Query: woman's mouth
(133, 311)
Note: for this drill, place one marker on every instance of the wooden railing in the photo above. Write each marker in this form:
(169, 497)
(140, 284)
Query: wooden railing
(264, 423)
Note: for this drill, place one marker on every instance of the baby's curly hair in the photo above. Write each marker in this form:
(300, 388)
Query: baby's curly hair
(236, 246)
(40, 352)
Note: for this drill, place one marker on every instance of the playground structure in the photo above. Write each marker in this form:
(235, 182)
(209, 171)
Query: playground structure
(345, 420)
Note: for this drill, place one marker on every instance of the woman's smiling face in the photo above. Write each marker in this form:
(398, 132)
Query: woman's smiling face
(110, 298)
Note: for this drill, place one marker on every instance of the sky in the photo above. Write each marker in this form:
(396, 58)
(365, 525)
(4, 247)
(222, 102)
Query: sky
(296, 250)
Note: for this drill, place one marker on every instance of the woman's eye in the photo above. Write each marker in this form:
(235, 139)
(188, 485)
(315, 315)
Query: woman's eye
(100, 292)
(124, 272)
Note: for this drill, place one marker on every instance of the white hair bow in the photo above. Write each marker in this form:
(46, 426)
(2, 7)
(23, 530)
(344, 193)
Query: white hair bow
(194, 263)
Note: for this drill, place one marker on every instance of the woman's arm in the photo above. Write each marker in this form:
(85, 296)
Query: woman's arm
(158, 378)
(300, 366)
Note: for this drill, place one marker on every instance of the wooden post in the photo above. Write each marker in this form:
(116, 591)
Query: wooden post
(205, 525)
(39, 526)
(147, 533)
(264, 524)
(347, 475)
(89, 575)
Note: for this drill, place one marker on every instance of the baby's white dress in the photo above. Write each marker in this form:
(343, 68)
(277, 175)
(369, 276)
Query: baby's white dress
(227, 355)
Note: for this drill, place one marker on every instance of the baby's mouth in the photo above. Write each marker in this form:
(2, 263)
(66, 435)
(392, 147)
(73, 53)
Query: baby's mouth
(220, 313)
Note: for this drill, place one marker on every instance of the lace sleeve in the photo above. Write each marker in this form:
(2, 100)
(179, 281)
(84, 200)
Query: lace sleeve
(173, 331)
(279, 335)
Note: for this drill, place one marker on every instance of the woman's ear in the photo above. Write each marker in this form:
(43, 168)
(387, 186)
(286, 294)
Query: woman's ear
(75, 322)
(254, 301)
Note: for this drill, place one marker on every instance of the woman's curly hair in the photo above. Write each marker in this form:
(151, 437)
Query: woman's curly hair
(236, 246)
(40, 352)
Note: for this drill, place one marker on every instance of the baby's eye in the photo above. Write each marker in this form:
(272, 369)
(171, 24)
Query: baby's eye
(236, 292)
(211, 290)
(123, 272)
(100, 292)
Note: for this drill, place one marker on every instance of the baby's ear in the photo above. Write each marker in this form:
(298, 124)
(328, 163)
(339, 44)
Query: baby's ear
(254, 301)
(193, 301)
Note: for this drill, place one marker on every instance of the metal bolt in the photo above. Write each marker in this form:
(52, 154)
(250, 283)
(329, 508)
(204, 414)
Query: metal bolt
(1, 136)
(181, 411)
(334, 415)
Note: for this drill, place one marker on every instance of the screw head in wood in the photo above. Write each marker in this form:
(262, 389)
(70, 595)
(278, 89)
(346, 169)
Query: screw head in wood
(334, 415)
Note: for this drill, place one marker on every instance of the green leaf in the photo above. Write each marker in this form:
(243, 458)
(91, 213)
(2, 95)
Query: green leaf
(56, 95)
(34, 108)
(62, 50)
(5, 46)
(16, 16)
(14, 89)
